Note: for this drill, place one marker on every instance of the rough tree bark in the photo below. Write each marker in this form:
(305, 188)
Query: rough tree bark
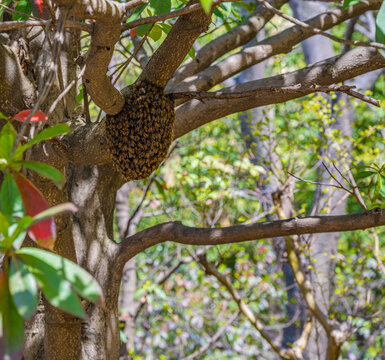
(92, 183)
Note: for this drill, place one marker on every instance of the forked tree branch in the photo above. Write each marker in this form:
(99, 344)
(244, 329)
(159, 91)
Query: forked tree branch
(175, 47)
(355, 62)
(319, 31)
(281, 43)
(218, 47)
(347, 89)
(87, 145)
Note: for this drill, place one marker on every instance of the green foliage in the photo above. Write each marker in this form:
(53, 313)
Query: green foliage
(24, 270)
(23, 6)
(161, 6)
(206, 4)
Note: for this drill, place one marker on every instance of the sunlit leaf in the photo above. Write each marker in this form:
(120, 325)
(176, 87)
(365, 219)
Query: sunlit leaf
(155, 33)
(55, 287)
(82, 282)
(23, 288)
(206, 5)
(348, 3)
(46, 134)
(7, 139)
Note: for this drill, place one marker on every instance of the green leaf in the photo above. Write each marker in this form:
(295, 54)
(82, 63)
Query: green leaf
(16, 233)
(23, 6)
(46, 134)
(191, 53)
(7, 139)
(206, 5)
(137, 12)
(23, 288)
(6, 3)
(54, 286)
(155, 33)
(380, 27)
(161, 6)
(12, 322)
(11, 204)
(142, 29)
(82, 282)
(376, 188)
(45, 170)
(166, 28)
(4, 224)
(365, 174)
(79, 97)
(348, 3)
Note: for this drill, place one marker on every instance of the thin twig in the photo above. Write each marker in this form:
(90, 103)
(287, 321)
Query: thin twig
(318, 31)
(214, 339)
(242, 306)
(314, 182)
(58, 41)
(170, 15)
(10, 10)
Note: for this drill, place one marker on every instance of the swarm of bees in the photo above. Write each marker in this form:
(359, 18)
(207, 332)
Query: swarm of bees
(140, 135)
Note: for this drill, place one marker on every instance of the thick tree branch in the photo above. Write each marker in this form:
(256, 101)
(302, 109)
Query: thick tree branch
(179, 233)
(281, 43)
(238, 36)
(175, 47)
(87, 144)
(347, 89)
(337, 69)
(16, 91)
(100, 10)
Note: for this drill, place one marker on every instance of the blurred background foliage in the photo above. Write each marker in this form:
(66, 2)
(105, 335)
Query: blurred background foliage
(209, 179)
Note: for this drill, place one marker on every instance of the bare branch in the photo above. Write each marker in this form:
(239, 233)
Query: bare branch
(89, 146)
(12, 25)
(199, 95)
(319, 31)
(218, 47)
(281, 43)
(179, 233)
(334, 70)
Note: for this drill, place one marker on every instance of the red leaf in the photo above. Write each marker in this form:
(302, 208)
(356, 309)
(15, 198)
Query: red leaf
(22, 116)
(44, 231)
(133, 32)
(39, 10)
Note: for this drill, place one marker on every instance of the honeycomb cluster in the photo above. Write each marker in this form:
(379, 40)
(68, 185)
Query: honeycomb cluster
(140, 135)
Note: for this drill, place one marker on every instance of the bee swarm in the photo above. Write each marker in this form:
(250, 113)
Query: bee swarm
(140, 135)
